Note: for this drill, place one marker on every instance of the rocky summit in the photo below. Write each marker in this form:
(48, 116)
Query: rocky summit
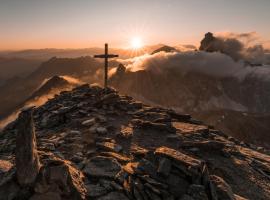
(93, 143)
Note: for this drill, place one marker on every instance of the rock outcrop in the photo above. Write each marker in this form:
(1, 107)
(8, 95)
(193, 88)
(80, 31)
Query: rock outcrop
(96, 144)
(27, 160)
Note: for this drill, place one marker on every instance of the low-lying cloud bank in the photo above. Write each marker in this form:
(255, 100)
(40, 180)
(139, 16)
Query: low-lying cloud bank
(214, 64)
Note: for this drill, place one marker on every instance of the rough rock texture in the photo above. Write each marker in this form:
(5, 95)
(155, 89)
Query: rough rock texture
(96, 144)
(27, 161)
(61, 180)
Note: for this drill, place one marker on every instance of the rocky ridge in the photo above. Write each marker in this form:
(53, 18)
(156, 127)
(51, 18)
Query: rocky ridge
(93, 143)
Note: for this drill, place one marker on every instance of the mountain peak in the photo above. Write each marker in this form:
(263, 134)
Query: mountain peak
(165, 48)
(95, 143)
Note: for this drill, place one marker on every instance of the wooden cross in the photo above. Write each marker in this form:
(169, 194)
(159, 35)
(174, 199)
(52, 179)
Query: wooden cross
(106, 56)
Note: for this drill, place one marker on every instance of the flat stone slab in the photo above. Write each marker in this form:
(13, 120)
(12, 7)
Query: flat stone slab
(179, 158)
(109, 146)
(118, 157)
(101, 166)
(189, 128)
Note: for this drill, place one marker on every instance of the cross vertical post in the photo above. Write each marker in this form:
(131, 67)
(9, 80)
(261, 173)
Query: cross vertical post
(106, 67)
(106, 57)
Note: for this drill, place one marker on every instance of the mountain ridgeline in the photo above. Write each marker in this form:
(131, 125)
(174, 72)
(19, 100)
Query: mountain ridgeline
(213, 99)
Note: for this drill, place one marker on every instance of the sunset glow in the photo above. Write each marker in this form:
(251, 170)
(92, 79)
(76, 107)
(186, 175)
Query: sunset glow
(84, 24)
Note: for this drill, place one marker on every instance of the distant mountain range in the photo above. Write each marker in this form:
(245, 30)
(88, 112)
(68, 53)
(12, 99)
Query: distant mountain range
(240, 108)
(11, 67)
(45, 54)
(18, 90)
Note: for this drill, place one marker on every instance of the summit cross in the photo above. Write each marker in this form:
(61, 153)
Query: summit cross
(106, 57)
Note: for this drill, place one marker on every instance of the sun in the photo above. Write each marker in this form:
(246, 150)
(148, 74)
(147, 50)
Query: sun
(136, 43)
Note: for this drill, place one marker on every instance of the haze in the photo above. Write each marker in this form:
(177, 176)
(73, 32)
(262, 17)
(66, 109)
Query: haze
(35, 24)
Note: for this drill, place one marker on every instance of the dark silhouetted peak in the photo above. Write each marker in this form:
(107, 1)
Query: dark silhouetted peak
(165, 49)
(207, 42)
(56, 82)
(227, 45)
(66, 66)
(121, 69)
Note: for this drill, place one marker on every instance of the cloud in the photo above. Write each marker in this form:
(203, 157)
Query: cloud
(214, 64)
(246, 38)
(240, 46)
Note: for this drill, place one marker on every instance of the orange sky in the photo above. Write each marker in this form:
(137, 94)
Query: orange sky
(81, 24)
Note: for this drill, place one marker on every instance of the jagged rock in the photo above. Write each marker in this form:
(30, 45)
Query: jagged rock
(207, 44)
(27, 160)
(224, 191)
(101, 166)
(59, 177)
(152, 163)
(186, 163)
